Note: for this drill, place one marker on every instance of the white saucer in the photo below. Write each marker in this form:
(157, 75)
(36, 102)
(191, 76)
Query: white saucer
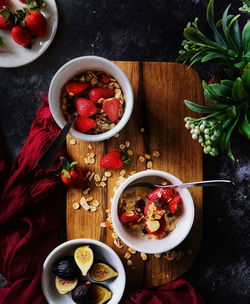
(13, 55)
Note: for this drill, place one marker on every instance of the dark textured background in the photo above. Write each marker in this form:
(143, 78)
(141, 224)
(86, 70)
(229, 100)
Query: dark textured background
(145, 30)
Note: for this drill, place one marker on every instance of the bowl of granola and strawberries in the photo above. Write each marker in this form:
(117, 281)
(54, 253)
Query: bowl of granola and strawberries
(98, 90)
(152, 220)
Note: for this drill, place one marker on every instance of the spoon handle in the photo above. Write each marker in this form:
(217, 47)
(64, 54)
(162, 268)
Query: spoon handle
(50, 154)
(208, 183)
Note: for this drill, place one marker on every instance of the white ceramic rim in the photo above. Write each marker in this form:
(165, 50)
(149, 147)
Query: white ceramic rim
(128, 105)
(43, 49)
(115, 201)
(84, 241)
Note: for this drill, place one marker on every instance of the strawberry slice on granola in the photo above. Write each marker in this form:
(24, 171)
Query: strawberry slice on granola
(161, 193)
(174, 204)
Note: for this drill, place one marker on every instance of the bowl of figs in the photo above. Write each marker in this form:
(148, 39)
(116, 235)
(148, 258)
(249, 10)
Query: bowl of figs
(83, 271)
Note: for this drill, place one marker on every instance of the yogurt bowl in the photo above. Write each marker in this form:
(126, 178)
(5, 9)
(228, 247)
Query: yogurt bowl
(141, 242)
(76, 67)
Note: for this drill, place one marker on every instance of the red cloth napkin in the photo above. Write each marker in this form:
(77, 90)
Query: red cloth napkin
(31, 206)
(177, 292)
(30, 209)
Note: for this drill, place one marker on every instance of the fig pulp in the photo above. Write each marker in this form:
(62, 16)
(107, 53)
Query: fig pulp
(65, 286)
(84, 258)
(66, 268)
(100, 294)
(81, 294)
(101, 272)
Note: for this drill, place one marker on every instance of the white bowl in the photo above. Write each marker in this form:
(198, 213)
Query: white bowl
(74, 68)
(102, 252)
(174, 238)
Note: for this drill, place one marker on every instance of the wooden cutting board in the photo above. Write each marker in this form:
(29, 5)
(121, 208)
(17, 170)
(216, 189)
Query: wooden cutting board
(159, 90)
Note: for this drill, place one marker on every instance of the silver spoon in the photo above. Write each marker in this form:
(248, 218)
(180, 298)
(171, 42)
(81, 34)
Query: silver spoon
(50, 154)
(209, 183)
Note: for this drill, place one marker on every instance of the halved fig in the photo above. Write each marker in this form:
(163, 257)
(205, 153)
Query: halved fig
(81, 294)
(84, 258)
(101, 272)
(100, 294)
(65, 286)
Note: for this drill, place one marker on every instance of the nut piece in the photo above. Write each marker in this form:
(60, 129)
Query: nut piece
(76, 206)
(73, 142)
(127, 255)
(144, 256)
(150, 164)
(156, 153)
(84, 204)
(129, 262)
(153, 225)
(117, 135)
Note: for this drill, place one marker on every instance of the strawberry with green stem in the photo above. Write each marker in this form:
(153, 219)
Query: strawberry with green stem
(114, 160)
(72, 174)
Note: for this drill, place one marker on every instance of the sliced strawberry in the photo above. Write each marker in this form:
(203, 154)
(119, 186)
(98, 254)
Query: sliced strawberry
(97, 93)
(161, 193)
(111, 108)
(83, 124)
(104, 80)
(174, 204)
(76, 87)
(129, 218)
(85, 107)
(4, 24)
(112, 160)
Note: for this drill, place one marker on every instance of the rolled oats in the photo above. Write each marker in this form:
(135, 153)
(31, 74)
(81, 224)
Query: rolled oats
(144, 256)
(76, 206)
(122, 146)
(156, 153)
(131, 250)
(73, 142)
(108, 174)
(141, 159)
(150, 164)
(130, 152)
(127, 255)
(147, 156)
(129, 262)
(97, 178)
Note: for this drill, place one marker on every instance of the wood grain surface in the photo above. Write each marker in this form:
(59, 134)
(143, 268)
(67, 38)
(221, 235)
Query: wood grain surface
(159, 90)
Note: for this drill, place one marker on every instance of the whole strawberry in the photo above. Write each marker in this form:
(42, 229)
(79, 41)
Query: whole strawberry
(20, 35)
(36, 24)
(72, 174)
(114, 160)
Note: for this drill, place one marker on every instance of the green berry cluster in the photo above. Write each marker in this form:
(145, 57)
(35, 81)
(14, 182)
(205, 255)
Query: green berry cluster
(206, 131)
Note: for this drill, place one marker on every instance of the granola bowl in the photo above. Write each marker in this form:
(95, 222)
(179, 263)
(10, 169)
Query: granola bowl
(130, 225)
(106, 116)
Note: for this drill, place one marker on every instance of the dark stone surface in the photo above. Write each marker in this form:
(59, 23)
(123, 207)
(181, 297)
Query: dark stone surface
(145, 30)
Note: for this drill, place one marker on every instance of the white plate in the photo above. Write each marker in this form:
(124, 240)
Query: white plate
(14, 55)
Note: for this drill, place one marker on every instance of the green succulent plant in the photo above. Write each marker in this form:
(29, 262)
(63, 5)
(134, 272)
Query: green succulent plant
(228, 102)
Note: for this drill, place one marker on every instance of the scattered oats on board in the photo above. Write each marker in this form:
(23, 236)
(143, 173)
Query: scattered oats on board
(127, 143)
(117, 243)
(130, 152)
(89, 199)
(129, 262)
(86, 191)
(92, 208)
(117, 135)
(156, 153)
(127, 255)
(122, 146)
(142, 130)
(97, 178)
(103, 184)
(144, 256)
(150, 164)
(147, 156)
(73, 142)
(76, 206)
(90, 147)
(84, 204)
(123, 172)
(95, 203)
(91, 176)
(141, 159)
(131, 250)
(108, 174)
(157, 255)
